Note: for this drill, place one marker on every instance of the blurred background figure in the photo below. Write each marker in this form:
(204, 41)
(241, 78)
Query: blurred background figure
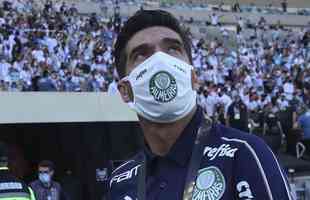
(71, 186)
(11, 188)
(304, 124)
(237, 115)
(45, 188)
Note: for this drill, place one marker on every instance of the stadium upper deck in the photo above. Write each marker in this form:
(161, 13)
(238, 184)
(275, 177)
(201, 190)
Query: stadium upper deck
(260, 3)
(276, 3)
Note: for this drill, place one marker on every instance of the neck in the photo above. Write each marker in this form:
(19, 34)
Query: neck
(161, 137)
(47, 184)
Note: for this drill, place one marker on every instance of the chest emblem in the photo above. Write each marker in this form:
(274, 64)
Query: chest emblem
(210, 184)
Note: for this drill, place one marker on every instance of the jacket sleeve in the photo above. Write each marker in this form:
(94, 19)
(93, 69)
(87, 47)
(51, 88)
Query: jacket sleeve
(258, 174)
(32, 196)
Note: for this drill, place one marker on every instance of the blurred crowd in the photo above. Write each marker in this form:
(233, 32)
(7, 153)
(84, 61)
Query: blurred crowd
(54, 49)
(262, 86)
(264, 80)
(266, 7)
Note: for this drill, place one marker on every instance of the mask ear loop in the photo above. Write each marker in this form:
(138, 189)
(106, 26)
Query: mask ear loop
(194, 79)
(125, 89)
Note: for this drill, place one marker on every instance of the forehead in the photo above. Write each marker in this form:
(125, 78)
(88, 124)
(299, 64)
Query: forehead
(151, 35)
(44, 168)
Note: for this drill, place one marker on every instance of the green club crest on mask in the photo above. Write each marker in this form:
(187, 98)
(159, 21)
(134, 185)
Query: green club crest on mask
(163, 87)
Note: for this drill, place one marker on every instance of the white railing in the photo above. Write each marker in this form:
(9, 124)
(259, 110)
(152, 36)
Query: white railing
(48, 107)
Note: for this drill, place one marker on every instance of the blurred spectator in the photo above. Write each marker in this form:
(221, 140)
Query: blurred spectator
(71, 185)
(112, 90)
(284, 5)
(304, 123)
(272, 126)
(237, 115)
(215, 19)
(45, 83)
(45, 188)
(49, 48)
(236, 7)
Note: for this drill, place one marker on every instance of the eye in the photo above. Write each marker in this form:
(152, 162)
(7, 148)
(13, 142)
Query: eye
(174, 49)
(139, 57)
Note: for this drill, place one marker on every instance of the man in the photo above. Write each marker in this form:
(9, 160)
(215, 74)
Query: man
(112, 89)
(288, 88)
(237, 114)
(72, 185)
(215, 19)
(288, 120)
(306, 93)
(45, 188)
(236, 7)
(10, 187)
(284, 5)
(224, 99)
(45, 83)
(304, 124)
(210, 101)
(153, 57)
(4, 68)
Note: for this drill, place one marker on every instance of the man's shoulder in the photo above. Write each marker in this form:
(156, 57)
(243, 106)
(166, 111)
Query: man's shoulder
(255, 163)
(56, 185)
(243, 148)
(240, 139)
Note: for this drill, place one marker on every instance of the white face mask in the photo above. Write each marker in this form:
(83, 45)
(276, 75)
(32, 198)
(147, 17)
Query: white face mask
(162, 88)
(44, 177)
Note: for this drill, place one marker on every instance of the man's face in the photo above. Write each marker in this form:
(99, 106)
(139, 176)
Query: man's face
(45, 170)
(151, 40)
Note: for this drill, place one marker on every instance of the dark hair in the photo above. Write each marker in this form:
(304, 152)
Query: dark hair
(143, 19)
(47, 163)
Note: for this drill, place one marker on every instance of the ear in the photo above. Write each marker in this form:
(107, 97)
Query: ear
(125, 90)
(195, 84)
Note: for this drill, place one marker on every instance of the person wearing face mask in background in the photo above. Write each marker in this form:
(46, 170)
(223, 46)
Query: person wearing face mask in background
(183, 157)
(45, 188)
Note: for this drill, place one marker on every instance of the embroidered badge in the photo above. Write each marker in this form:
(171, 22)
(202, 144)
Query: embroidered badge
(210, 184)
(163, 87)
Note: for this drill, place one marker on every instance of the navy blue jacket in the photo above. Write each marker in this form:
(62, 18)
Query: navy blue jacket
(235, 165)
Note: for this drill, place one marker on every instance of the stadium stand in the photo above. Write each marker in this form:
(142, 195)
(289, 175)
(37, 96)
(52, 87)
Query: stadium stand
(261, 57)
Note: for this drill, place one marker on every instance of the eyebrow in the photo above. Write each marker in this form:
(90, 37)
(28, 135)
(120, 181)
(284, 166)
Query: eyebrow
(173, 41)
(148, 46)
